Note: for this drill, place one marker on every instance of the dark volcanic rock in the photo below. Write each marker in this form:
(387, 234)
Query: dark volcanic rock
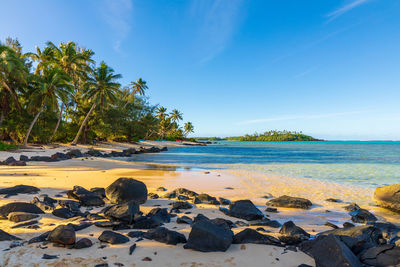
(17, 163)
(160, 214)
(94, 153)
(366, 233)
(83, 243)
(107, 224)
(24, 224)
(62, 234)
(113, 237)
(181, 205)
(362, 216)
(4, 236)
(388, 197)
(126, 189)
(163, 235)
(185, 192)
(290, 202)
(207, 199)
(224, 201)
(333, 200)
(351, 207)
(153, 196)
(75, 153)
(81, 226)
(86, 198)
(60, 156)
(21, 216)
(23, 158)
(123, 212)
(72, 205)
(329, 251)
(207, 236)
(266, 222)
(244, 209)
(49, 257)
(273, 210)
(41, 238)
(384, 255)
(162, 189)
(292, 234)
(43, 205)
(100, 191)
(18, 207)
(145, 222)
(94, 217)
(9, 160)
(63, 213)
(42, 158)
(136, 234)
(252, 236)
(19, 189)
(184, 219)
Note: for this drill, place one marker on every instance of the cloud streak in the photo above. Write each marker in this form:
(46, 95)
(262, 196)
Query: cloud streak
(344, 9)
(298, 117)
(217, 21)
(117, 13)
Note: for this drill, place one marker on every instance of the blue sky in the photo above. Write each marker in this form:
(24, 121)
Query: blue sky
(328, 68)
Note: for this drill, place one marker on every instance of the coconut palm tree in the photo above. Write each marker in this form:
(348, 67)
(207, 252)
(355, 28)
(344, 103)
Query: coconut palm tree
(161, 112)
(188, 128)
(52, 84)
(44, 58)
(139, 87)
(175, 115)
(101, 88)
(12, 69)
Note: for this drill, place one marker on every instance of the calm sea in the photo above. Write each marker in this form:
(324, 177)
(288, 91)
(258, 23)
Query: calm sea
(369, 164)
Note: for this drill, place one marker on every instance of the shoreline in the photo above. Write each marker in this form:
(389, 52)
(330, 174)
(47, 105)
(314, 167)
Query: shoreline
(53, 178)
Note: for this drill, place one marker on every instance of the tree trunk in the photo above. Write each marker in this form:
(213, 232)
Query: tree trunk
(58, 123)
(32, 124)
(1, 118)
(83, 124)
(13, 95)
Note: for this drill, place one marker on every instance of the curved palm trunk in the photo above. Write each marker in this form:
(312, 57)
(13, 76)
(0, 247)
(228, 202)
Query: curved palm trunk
(58, 123)
(12, 93)
(83, 124)
(32, 124)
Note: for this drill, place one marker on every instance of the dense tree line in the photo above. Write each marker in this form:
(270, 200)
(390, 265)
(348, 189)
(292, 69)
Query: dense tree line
(274, 136)
(60, 94)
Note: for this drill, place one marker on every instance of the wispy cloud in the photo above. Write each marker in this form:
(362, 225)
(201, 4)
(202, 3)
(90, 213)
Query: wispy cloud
(217, 21)
(297, 117)
(118, 14)
(344, 9)
(304, 73)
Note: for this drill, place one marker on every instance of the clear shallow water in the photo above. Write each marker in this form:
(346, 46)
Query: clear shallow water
(368, 164)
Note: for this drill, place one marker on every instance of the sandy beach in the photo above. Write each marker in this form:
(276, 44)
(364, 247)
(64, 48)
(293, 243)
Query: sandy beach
(55, 178)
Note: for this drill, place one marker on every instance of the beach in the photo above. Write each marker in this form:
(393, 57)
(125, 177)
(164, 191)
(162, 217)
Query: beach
(54, 178)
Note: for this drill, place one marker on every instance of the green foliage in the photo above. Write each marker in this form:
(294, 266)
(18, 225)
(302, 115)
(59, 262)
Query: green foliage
(274, 136)
(66, 95)
(4, 146)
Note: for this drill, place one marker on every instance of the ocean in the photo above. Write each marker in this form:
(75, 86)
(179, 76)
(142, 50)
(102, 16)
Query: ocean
(362, 163)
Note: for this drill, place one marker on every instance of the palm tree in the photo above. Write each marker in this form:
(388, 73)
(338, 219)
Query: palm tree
(12, 69)
(101, 88)
(44, 58)
(161, 112)
(138, 87)
(54, 82)
(176, 115)
(188, 128)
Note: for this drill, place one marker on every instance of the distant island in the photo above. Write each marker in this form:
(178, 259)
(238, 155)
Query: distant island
(267, 136)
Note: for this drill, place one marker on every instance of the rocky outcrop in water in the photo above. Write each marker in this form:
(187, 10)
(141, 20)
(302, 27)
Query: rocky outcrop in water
(388, 197)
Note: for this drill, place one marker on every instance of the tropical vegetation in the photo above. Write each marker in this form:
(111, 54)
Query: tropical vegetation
(60, 94)
(274, 136)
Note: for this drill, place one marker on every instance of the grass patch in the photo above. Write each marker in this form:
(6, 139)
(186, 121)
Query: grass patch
(4, 146)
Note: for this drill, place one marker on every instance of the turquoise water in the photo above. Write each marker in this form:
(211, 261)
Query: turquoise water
(369, 164)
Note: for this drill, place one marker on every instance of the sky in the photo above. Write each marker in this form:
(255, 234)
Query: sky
(327, 68)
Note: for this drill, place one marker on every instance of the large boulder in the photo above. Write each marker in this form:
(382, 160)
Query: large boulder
(292, 234)
(18, 207)
(113, 237)
(19, 189)
(244, 209)
(208, 235)
(330, 251)
(163, 235)
(123, 212)
(384, 255)
(290, 202)
(249, 235)
(126, 189)
(63, 234)
(362, 216)
(86, 198)
(365, 233)
(388, 197)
